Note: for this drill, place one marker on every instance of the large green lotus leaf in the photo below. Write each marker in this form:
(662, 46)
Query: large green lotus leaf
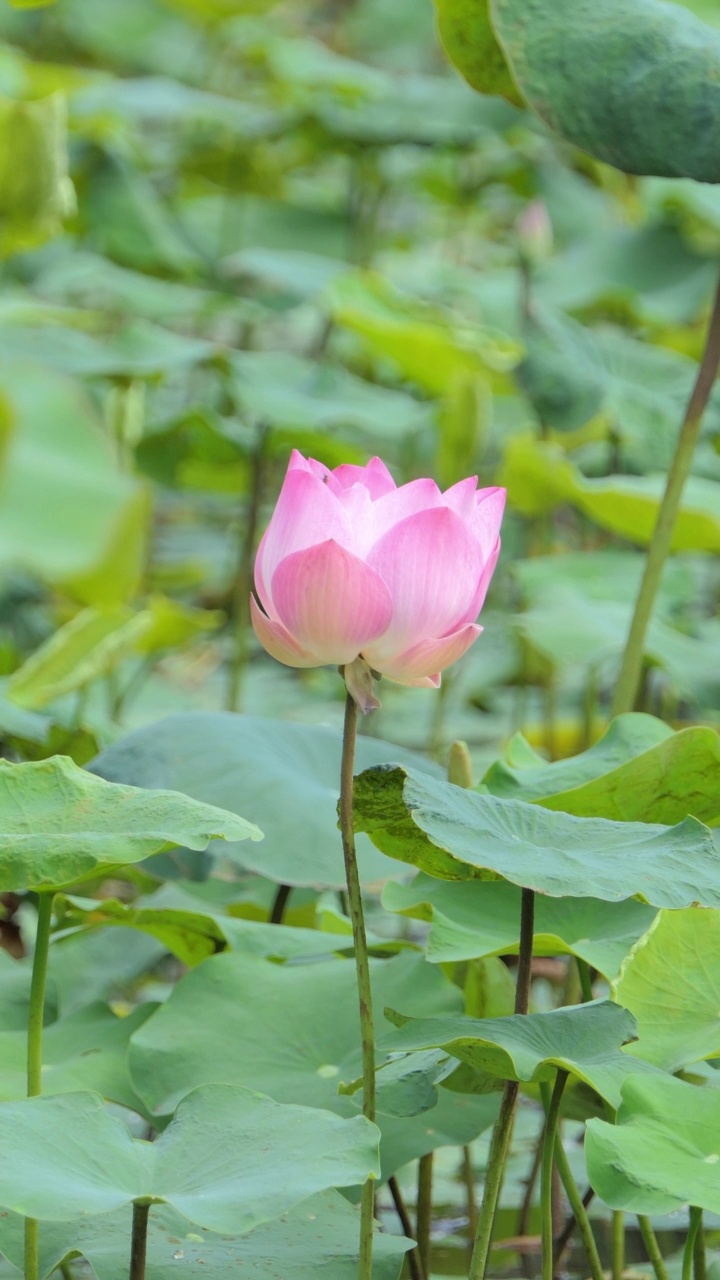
(90, 281)
(100, 964)
(138, 350)
(678, 776)
(525, 775)
(606, 576)
(664, 1151)
(192, 933)
(572, 374)
(61, 823)
(671, 984)
(475, 918)
(88, 646)
(295, 393)
(247, 762)
(15, 978)
(635, 84)
(85, 1050)
(66, 510)
(456, 834)
(230, 1159)
(540, 477)
(423, 110)
(318, 1236)
(646, 272)
(421, 341)
(289, 1046)
(570, 628)
(471, 45)
(582, 1039)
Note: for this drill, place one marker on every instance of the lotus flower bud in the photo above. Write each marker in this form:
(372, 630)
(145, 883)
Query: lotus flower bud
(354, 570)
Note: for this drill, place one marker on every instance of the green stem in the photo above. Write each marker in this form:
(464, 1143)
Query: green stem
(531, 1183)
(552, 1112)
(468, 1177)
(579, 1212)
(500, 1143)
(652, 1248)
(493, 1178)
(362, 968)
(138, 1246)
(280, 901)
(412, 1255)
(699, 1258)
(632, 660)
(34, 1051)
(618, 1245)
(689, 1250)
(423, 1211)
(583, 969)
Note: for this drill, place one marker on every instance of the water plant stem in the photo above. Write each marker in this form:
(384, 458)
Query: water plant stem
(423, 1211)
(689, 1250)
(632, 660)
(551, 1102)
(362, 968)
(579, 1209)
(617, 1261)
(280, 901)
(502, 1132)
(413, 1257)
(468, 1177)
(699, 1256)
(138, 1246)
(584, 974)
(652, 1248)
(36, 1014)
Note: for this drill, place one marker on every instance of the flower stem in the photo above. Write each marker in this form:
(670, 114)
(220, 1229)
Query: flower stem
(34, 1051)
(618, 1244)
(424, 1209)
(583, 969)
(502, 1132)
(468, 1177)
(687, 1264)
(632, 660)
(579, 1210)
(362, 968)
(138, 1246)
(552, 1109)
(652, 1248)
(699, 1258)
(412, 1255)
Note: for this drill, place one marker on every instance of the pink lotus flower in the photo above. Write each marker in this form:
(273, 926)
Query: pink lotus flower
(351, 567)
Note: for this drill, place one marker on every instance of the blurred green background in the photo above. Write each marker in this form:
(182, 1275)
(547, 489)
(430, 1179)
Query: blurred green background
(229, 228)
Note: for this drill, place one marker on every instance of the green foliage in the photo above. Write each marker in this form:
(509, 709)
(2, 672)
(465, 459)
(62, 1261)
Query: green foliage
(37, 193)
(662, 1152)
(633, 84)
(247, 763)
(469, 41)
(228, 230)
(585, 1041)
(475, 919)
(62, 824)
(291, 1048)
(668, 985)
(458, 835)
(321, 1232)
(230, 1160)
